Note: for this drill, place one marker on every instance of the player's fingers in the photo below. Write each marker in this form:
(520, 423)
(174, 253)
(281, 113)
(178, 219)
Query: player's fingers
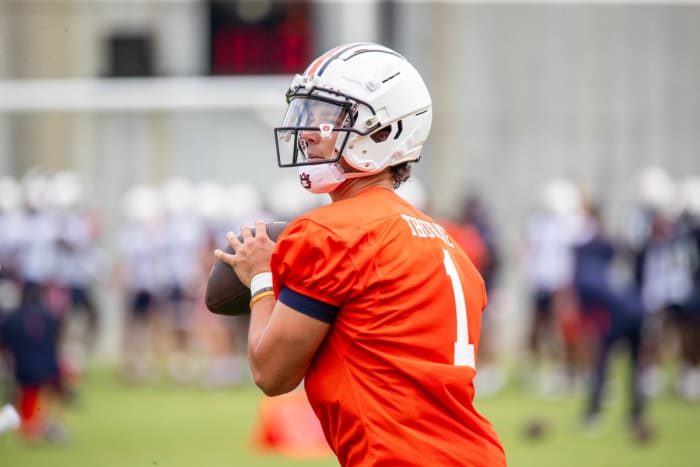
(223, 257)
(233, 241)
(260, 228)
(246, 232)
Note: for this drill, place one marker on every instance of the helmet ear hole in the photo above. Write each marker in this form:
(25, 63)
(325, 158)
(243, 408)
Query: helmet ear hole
(381, 135)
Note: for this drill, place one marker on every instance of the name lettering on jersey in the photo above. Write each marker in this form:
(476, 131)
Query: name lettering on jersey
(424, 229)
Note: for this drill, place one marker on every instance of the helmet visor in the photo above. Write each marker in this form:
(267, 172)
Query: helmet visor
(313, 131)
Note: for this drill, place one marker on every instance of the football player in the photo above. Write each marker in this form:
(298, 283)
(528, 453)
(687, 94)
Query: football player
(367, 299)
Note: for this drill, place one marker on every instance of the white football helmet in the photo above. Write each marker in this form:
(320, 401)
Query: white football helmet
(561, 196)
(655, 189)
(67, 190)
(179, 196)
(143, 204)
(372, 97)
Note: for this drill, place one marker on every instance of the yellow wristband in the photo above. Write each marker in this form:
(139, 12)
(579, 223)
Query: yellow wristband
(260, 295)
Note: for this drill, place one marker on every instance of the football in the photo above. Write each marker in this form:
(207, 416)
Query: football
(226, 294)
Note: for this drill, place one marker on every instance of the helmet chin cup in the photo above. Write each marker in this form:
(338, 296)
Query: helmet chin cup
(322, 177)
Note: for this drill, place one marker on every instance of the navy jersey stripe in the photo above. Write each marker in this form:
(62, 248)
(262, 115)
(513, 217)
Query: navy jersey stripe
(308, 306)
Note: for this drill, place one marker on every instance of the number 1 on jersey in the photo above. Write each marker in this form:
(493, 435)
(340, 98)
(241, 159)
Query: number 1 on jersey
(464, 351)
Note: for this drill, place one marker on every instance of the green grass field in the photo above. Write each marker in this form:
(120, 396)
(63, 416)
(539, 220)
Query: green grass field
(114, 425)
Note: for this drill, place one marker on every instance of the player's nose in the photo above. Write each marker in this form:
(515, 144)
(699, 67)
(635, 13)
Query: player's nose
(310, 137)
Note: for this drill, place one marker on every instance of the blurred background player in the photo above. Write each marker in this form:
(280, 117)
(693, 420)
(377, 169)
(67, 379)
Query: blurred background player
(648, 235)
(142, 277)
(186, 240)
(38, 259)
(615, 313)
(551, 233)
(29, 340)
(79, 263)
(37, 252)
(687, 309)
(669, 273)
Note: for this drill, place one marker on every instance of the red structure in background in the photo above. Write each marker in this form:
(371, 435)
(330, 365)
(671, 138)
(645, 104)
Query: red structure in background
(277, 42)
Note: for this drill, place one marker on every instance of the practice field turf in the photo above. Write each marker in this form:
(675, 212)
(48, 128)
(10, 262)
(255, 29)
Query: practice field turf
(115, 425)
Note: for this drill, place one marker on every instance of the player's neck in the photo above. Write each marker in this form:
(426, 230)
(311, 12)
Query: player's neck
(352, 187)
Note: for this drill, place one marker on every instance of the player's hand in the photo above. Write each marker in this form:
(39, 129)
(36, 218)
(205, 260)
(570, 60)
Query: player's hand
(252, 253)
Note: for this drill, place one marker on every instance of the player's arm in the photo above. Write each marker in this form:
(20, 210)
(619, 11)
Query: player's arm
(281, 345)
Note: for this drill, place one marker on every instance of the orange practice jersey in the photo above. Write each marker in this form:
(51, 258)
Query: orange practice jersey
(392, 384)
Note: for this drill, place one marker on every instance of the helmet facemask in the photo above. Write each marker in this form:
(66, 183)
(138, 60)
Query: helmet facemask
(328, 117)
